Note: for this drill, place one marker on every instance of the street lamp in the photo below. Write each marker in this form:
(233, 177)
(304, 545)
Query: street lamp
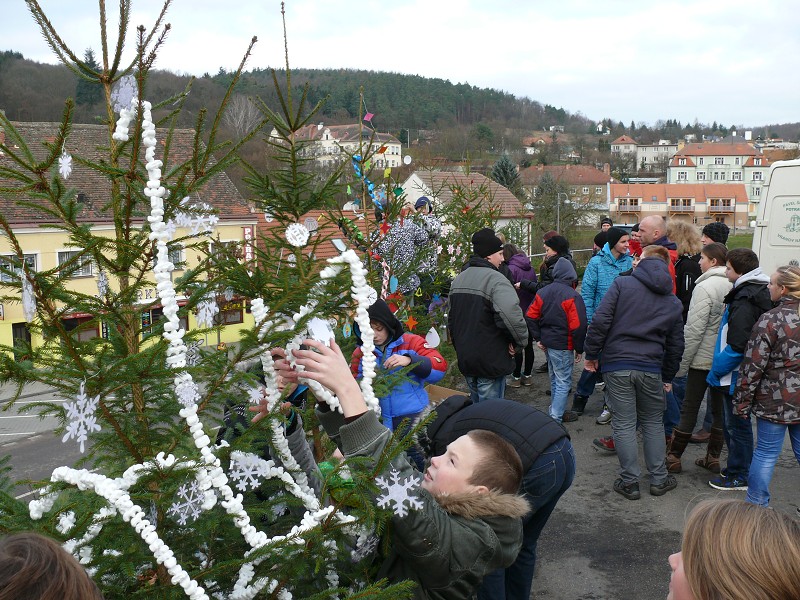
(558, 210)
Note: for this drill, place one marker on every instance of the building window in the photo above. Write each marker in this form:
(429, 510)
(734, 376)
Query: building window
(682, 162)
(701, 161)
(737, 175)
(719, 160)
(11, 269)
(176, 256)
(756, 191)
(701, 176)
(682, 176)
(598, 190)
(231, 313)
(736, 161)
(756, 162)
(85, 328)
(756, 175)
(78, 266)
(573, 190)
(585, 189)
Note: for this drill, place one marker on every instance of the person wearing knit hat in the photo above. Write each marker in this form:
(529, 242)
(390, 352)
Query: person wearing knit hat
(559, 244)
(605, 223)
(614, 234)
(485, 320)
(424, 205)
(715, 232)
(485, 244)
(599, 241)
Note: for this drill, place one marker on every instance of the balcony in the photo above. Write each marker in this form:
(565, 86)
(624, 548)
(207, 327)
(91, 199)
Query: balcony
(629, 207)
(721, 208)
(680, 208)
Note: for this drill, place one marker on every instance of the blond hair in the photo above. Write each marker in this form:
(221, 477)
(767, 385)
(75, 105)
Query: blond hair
(789, 277)
(685, 236)
(734, 550)
(653, 251)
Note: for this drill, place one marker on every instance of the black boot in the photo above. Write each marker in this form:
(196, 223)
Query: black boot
(579, 403)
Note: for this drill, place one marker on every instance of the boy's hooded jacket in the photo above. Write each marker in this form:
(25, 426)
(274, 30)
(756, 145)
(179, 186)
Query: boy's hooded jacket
(449, 544)
(409, 397)
(639, 324)
(600, 273)
(744, 304)
(557, 316)
(522, 270)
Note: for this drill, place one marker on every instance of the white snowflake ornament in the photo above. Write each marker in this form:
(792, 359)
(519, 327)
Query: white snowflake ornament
(247, 470)
(207, 309)
(228, 294)
(399, 494)
(123, 92)
(65, 164)
(372, 296)
(190, 504)
(80, 415)
(193, 353)
(365, 546)
(297, 235)
(102, 283)
(320, 330)
(268, 217)
(28, 300)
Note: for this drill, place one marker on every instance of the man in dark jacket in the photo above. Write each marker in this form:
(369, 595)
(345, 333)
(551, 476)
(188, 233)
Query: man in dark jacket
(548, 464)
(744, 304)
(638, 327)
(485, 321)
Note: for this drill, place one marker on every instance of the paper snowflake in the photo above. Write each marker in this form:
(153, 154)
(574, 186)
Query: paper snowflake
(320, 330)
(200, 218)
(228, 294)
(193, 353)
(80, 415)
(123, 92)
(28, 300)
(186, 393)
(65, 164)
(268, 217)
(297, 235)
(102, 282)
(190, 504)
(398, 494)
(247, 470)
(372, 296)
(364, 547)
(207, 309)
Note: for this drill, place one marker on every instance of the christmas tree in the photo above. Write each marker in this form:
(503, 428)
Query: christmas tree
(167, 511)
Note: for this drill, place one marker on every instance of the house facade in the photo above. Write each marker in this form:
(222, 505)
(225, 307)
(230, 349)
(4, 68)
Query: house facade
(46, 247)
(624, 144)
(655, 157)
(725, 162)
(330, 144)
(589, 185)
(698, 204)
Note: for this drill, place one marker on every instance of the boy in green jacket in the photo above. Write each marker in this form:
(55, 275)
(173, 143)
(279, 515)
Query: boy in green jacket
(469, 516)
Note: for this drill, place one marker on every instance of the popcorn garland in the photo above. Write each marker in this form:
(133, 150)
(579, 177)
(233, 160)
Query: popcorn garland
(209, 476)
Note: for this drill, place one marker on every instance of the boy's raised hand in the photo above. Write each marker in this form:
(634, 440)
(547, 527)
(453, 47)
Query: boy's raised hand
(397, 360)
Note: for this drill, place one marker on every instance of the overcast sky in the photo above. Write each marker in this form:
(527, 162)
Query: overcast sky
(642, 61)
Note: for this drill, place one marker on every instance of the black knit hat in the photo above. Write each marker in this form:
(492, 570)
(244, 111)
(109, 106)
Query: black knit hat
(606, 220)
(717, 232)
(485, 242)
(600, 239)
(558, 243)
(613, 235)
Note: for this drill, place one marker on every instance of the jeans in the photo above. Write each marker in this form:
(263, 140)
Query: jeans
(528, 352)
(632, 396)
(738, 438)
(769, 445)
(586, 383)
(545, 482)
(484, 388)
(696, 387)
(672, 414)
(559, 366)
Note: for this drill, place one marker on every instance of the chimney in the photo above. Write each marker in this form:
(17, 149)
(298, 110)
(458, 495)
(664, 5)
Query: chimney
(607, 169)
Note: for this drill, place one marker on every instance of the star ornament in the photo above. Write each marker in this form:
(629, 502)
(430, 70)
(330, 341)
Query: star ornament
(411, 323)
(385, 227)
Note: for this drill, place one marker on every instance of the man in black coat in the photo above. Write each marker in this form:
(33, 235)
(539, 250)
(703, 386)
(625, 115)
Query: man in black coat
(548, 462)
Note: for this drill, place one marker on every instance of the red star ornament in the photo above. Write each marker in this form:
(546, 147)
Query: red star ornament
(385, 227)
(411, 323)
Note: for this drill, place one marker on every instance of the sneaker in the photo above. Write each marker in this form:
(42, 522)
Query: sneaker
(600, 386)
(605, 417)
(541, 368)
(569, 416)
(630, 491)
(670, 483)
(526, 380)
(726, 484)
(515, 382)
(606, 444)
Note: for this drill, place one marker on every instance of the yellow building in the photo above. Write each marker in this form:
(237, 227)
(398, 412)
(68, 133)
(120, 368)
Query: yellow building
(47, 247)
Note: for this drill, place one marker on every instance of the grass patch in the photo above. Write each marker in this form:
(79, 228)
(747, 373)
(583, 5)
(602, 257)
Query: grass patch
(740, 240)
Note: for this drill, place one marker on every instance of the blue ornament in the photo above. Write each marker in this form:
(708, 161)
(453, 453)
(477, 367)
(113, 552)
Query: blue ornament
(392, 284)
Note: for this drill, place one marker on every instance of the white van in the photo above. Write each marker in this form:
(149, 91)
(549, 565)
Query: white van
(777, 228)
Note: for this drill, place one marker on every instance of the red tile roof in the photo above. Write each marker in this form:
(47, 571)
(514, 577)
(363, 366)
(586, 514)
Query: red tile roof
(90, 141)
(719, 149)
(624, 139)
(665, 191)
(441, 184)
(674, 162)
(571, 174)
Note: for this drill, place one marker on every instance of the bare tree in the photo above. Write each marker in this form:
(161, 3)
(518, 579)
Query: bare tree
(242, 116)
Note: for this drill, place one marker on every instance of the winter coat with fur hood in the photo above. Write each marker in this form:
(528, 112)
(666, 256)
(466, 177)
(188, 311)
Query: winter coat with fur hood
(702, 321)
(450, 543)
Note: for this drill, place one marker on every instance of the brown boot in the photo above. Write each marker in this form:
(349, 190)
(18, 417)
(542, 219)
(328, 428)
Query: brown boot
(675, 449)
(711, 460)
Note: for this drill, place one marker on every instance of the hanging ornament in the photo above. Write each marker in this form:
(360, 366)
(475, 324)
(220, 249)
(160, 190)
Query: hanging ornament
(228, 295)
(372, 296)
(411, 322)
(291, 260)
(297, 235)
(347, 330)
(385, 227)
(268, 217)
(102, 283)
(432, 339)
(392, 284)
(28, 300)
(81, 418)
(207, 310)
(65, 164)
(123, 92)
(311, 224)
(320, 330)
